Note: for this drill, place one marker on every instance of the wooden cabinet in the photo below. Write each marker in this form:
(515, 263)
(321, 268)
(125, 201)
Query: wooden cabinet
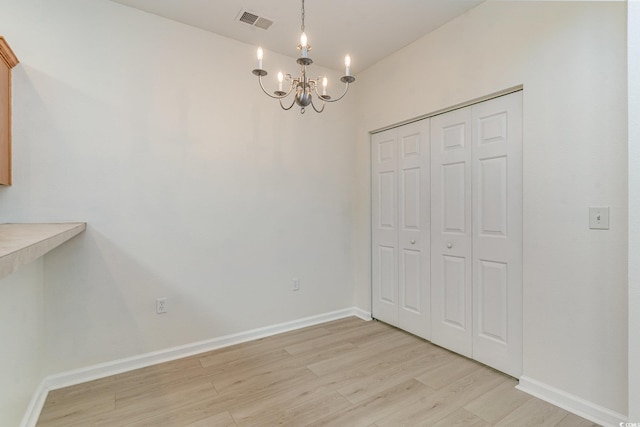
(8, 60)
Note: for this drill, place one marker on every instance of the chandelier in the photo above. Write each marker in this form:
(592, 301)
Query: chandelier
(303, 87)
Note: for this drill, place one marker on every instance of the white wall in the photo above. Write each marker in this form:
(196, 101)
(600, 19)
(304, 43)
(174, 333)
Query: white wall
(571, 59)
(22, 338)
(633, 65)
(194, 184)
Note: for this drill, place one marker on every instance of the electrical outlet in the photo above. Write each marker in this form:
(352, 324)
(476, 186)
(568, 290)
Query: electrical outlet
(161, 305)
(295, 285)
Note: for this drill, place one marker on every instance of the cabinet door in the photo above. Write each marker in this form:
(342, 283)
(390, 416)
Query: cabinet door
(5, 124)
(497, 232)
(451, 267)
(8, 60)
(384, 226)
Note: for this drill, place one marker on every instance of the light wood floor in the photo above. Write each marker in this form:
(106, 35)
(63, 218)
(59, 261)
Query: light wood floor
(343, 373)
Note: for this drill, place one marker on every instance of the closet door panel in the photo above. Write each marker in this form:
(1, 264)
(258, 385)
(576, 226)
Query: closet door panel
(384, 219)
(451, 270)
(386, 200)
(492, 196)
(413, 234)
(454, 198)
(410, 266)
(387, 274)
(497, 237)
(454, 288)
(410, 199)
(410, 279)
(492, 304)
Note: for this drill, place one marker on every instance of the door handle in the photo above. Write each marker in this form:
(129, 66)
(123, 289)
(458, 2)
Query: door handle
(413, 242)
(449, 245)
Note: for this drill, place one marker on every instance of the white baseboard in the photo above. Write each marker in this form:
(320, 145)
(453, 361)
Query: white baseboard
(364, 315)
(90, 373)
(35, 406)
(571, 403)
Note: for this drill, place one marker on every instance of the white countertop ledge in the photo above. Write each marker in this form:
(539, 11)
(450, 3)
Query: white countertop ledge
(22, 243)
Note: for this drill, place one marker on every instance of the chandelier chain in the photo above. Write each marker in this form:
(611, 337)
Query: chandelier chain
(302, 27)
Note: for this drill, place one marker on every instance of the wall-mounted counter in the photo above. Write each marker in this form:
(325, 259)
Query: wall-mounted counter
(22, 243)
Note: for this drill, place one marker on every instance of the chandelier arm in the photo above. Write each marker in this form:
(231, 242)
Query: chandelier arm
(273, 96)
(346, 88)
(289, 107)
(314, 106)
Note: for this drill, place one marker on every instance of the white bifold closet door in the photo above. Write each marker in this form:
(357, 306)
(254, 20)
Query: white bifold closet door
(451, 267)
(400, 227)
(476, 232)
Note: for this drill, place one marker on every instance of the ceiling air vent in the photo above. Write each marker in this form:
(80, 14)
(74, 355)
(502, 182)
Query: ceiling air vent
(254, 19)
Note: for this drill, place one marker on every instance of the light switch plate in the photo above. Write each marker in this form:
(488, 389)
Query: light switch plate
(599, 218)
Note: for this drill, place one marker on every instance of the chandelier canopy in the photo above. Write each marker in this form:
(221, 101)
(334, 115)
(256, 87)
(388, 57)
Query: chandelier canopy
(303, 87)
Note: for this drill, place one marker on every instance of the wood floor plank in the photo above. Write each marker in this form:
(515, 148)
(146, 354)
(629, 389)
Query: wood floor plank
(153, 376)
(223, 419)
(441, 403)
(360, 389)
(261, 377)
(394, 343)
(572, 420)
(297, 391)
(223, 362)
(153, 399)
(463, 418)
(103, 385)
(355, 333)
(367, 412)
(140, 407)
(346, 372)
(443, 372)
(320, 405)
(164, 383)
(378, 334)
(328, 352)
(262, 345)
(77, 412)
(534, 412)
(499, 402)
(235, 375)
(201, 409)
(185, 415)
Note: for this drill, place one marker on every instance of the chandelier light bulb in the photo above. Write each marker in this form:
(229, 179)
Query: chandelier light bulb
(347, 64)
(280, 78)
(324, 86)
(303, 44)
(260, 56)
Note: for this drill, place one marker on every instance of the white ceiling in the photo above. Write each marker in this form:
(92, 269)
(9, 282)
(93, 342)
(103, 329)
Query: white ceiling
(368, 30)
